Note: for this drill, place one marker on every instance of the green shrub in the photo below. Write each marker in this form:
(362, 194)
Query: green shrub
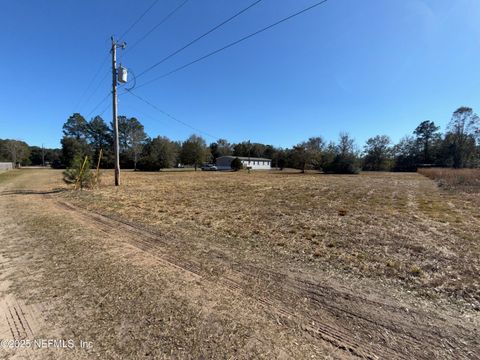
(80, 173)
(343, 164)
(236, 164)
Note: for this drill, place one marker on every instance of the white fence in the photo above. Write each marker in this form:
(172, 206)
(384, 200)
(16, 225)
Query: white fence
(6, 166)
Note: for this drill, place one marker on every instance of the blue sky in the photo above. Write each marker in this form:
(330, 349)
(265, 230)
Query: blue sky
(367, 67)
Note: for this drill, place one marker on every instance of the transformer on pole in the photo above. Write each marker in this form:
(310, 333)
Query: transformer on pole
(122, 74)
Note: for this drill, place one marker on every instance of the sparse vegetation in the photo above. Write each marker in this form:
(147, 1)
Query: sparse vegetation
(462, 179)
(80, 173)
(393, 227)
(236, 164)
(235, 256)
(8, 175)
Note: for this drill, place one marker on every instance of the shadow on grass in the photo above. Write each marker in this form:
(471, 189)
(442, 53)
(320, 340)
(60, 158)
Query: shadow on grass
(32, 192)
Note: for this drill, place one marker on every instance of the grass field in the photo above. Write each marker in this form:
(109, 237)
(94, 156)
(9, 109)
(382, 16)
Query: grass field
(234, 265)
(8, 175)
(456, 179)
(395, 228)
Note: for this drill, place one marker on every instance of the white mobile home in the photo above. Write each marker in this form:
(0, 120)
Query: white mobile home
(6, 166)
(224, 163)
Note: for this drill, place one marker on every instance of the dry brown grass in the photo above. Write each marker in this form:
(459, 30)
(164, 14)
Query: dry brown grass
(398, 228)
(463, 179)
(94, 286)
(216, 282)
(8, 175)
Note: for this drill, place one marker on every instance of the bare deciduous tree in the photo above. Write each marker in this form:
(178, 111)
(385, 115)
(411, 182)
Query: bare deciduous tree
(17, 150)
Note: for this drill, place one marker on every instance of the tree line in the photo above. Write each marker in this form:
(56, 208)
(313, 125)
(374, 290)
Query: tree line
(458, 147)
(20, 153)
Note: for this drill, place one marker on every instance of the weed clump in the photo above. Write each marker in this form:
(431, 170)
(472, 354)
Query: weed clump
(415, 271)
(80, 173)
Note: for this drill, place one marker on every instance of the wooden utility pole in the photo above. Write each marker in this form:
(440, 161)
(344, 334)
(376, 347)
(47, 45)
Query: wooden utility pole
(43, 156)
(116, 143)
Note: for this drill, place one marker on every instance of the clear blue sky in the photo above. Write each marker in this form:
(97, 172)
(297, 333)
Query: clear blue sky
(367, 67)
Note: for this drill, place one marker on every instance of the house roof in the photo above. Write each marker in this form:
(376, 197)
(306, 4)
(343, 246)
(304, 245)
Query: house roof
(244, 158)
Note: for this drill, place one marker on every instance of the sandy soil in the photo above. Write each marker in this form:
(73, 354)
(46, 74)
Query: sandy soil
(136, 291)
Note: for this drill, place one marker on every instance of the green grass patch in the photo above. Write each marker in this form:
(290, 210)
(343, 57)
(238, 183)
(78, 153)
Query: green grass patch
(8, 175)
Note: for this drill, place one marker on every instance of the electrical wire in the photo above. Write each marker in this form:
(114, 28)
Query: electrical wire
(200, 37)
(232, 44)
(134, 81)
(155, 27)
(104, 99)
(103, 111)
(171, 116)
(91, 82)
(97, 87)
(81, 98)
(137, 21)
(198, 59)
(146, 115)
(106, 58)
(99, 104)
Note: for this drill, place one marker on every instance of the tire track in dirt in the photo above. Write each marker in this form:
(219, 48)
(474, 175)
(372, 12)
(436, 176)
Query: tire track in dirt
(413, 339)
(395, 318)
(331, 333)
(19, 320)
(20, 323)
(190, 269)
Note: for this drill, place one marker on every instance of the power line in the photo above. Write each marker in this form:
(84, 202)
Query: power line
(137, 21)
(171, 116)
(233, 43)
(91, 82)
(100, 103)
(156, 26)
(200, 37)
(106, 58)
(81, 97)
(142, 112)
(105, 109)
(97, 87)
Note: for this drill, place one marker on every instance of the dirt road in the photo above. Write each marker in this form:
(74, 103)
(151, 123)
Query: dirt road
(110, 288)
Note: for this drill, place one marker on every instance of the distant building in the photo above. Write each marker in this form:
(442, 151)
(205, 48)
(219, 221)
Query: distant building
(6, 166)
(224, 163)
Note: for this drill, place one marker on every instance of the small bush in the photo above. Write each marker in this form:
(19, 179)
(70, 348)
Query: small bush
(415, 271)
(80, 173)
(236, 164)
(343, 164)
(57, 164)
